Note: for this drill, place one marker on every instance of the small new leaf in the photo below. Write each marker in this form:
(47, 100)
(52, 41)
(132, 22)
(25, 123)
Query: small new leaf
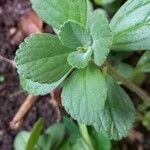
(131, 26)
(84, 94)
(43, 59)
(74, 35)
(103, 2)
(79, 59)
(118, 115)
(102, 36)
(56, 12)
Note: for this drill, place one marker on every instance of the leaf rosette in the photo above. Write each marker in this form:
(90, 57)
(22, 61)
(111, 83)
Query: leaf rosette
(75, 57)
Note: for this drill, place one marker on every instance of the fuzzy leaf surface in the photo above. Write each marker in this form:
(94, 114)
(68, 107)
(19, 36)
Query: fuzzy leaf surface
(74, 35)
(35, 88)
(131, 26)
(56, 12)
(42, 58)
(118, 115)
(84, 94)
(102, 36)
(80, 59)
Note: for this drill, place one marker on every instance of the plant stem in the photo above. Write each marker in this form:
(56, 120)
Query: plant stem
(25, 107)
(134, 88)
(8, 61)
(85, 134)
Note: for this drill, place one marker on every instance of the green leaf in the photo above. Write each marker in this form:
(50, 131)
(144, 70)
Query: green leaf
(72, 129)
(65, 145)
(118, 115)
(74, 35)
(84, 94)
(81, 145)
(35, 134)
(99, 141)
(101, 50)
(131, 26)
(102, 36)
(35, 88)
(21, 140)
(125, 69)
(52, 137)
(85, 134)
(146, 120)
(89, 8)
(42, 58)
(144, 63)
(103, 2)
(98, 26)
(103, 12)
(79, 59)
(56, 12)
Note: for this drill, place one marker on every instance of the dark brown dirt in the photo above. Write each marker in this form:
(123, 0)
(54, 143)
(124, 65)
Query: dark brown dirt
(11, 95)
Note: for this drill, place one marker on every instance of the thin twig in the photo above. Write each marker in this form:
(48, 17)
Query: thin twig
(8, 61)
(22, 112)
(134, 88)
(16, 93)
(54, 103)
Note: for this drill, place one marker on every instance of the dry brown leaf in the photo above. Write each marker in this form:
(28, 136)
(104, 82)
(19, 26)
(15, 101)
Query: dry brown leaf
(135, 136)
(30, 23)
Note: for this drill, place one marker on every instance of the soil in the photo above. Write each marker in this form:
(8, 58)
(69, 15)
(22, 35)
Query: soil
(12, 96)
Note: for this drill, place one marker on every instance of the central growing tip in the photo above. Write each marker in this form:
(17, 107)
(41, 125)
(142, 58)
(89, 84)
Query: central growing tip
(82, 48)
